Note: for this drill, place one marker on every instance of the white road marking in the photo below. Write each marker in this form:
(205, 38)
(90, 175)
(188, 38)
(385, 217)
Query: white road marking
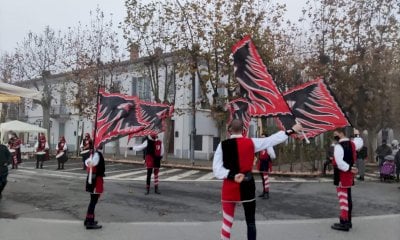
(182, 175)
(208, 176)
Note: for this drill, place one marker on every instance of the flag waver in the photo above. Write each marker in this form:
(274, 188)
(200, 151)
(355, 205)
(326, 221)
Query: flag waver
(315, 107)
(256, 84)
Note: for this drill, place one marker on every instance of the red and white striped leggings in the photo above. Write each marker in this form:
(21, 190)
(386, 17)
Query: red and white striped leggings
(345, 203)
(228, 212)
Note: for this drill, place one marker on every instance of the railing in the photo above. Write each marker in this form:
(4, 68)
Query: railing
(59, 110)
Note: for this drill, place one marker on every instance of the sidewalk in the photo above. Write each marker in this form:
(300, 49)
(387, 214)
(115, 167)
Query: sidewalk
(365, 228)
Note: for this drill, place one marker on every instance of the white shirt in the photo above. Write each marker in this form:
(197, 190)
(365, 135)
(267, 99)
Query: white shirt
(338, 152)
(37, 145)
(64, 148)
(144, 145)
(271, 152)
(259, 144)
(94, 159)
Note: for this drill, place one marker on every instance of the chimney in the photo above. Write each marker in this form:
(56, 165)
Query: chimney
(134, 51)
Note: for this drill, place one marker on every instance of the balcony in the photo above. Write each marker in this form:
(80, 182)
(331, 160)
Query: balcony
(59, 112)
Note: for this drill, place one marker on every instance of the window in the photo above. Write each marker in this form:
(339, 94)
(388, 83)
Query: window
(141, 88)
(216, 141)
(198, 142)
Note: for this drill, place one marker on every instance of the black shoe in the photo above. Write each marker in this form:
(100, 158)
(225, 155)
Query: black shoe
(262, 195)
(266, 195)
(156, 191)
(147, 192)
(341, 227)
(85, 223)
(93, 226)
(360, 178)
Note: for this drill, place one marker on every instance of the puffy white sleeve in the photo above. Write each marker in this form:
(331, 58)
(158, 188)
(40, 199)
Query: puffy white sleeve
(218, 166)
(46, 146)
(271, 152)
(94, 159)
(141, 146)
(57, 147)
(265, 143)
(358, 142)
(65, 146)
(338, 153)
(36, 145)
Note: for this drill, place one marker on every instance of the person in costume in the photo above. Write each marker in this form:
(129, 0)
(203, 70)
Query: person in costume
(233, 162)
(154, 151)
(5, 160)
(265, 166)
(14, 145)
(42, 150)
(95, 167)
(86, 146)
(344, 158)
(61, 149)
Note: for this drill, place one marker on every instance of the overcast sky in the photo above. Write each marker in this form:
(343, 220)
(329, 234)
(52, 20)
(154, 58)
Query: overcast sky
(18, 17)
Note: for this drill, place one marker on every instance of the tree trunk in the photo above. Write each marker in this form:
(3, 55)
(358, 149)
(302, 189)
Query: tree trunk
(167, 135)
(46, 121)
(4, 109)
(371, 144)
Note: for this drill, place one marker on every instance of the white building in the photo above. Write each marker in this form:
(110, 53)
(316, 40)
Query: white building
(65, 120)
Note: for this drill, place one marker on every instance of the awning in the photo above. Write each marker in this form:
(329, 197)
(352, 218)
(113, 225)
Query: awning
(15, 91)
(19, 127)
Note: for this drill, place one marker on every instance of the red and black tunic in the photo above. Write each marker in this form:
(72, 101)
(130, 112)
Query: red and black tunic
(98, 172)
(345, 178)
(238, 157)
(152, 159)
(264, 161)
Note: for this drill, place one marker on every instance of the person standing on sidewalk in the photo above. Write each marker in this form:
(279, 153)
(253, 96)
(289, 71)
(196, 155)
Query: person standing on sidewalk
(265, 166)
(343, 173)
(233, 162)
(154, 151)
(5, 160)
(362, 155)
(95, 186)
(382, 151)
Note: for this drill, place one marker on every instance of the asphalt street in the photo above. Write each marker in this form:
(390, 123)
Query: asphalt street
(188, 207)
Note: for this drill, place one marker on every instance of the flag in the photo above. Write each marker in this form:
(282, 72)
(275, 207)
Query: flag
(117, 116)
(238, 109)
(152, 116)
(256, 84)
(315, 107)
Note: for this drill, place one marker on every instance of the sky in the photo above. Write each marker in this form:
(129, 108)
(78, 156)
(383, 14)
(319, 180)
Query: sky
(18, 17)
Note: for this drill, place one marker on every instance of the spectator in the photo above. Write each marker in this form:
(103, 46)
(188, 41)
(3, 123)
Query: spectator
(382, 151)
(5, 160)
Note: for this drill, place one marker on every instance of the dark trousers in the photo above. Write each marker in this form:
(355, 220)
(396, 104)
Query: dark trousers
(228, 209)
(92, 205)
(3, 181)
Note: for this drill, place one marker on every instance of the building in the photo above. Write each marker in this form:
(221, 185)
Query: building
(131, 78)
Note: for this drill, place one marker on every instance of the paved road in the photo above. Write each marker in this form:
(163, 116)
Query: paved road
(48, 203)
(134, 172)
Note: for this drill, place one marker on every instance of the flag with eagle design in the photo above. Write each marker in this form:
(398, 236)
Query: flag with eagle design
(256, 84)
(118, 115)
(238, 109)
(315, 107)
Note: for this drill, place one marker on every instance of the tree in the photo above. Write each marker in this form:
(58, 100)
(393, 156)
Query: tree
(37, 56)
(7, 71)
(353, 45)
(93, 59)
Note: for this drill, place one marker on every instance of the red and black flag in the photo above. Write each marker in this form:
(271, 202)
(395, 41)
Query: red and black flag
(256, 84)
(315, 107)
(152, 116)
(117, 116)
(238, 109)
